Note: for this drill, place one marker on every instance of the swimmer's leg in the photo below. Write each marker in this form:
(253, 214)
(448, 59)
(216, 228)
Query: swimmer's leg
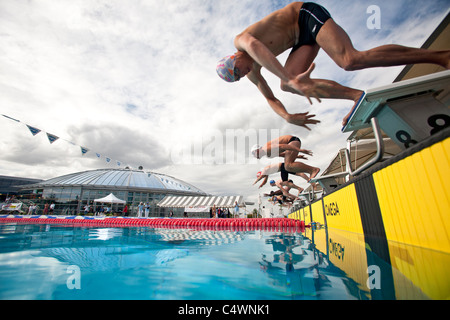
(338, 45)
(300, 167)
(300, 60)
(289, 155)
(304, 176)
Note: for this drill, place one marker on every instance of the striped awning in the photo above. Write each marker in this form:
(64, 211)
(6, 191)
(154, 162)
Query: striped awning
(201, 201)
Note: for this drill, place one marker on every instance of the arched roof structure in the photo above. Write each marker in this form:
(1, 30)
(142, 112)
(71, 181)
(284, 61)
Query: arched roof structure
(124, 179)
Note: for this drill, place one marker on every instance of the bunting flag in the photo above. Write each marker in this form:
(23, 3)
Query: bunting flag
(34, 131)
(84, 150)
(52, 138)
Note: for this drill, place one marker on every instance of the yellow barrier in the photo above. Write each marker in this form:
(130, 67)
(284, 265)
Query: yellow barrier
(410, 200)
(342, 211)
(414, 198)
(317, 212)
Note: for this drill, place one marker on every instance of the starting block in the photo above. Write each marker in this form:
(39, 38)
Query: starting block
(407, 111)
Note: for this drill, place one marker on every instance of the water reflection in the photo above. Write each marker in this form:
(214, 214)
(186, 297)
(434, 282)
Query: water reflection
(307, 272)
(383, 270)
(146, 263)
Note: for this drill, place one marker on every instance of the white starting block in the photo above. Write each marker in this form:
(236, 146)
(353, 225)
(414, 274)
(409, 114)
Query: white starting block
(308, 196)
(408, 112)
(329, 182)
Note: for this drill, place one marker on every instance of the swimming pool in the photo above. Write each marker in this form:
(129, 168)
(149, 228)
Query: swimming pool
(66, 262)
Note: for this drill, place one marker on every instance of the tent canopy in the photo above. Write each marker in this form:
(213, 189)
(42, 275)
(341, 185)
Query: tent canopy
(201, 201)
(110, 199)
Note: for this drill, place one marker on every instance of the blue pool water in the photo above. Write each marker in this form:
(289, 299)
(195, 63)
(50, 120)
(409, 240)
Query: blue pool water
(55, 262)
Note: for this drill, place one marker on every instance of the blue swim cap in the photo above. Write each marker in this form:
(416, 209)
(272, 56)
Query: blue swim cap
(272, 181)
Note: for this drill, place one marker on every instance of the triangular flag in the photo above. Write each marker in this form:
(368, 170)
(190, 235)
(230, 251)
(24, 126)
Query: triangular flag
(34, 131)
(52, 138)
(118, 163)
(108, 159)
(98, 155)
(84, 150)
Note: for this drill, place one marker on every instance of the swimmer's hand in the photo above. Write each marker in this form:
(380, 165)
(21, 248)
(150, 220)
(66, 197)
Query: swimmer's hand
(307, 87)
(302, 119)
(308, 152)
(264, 177)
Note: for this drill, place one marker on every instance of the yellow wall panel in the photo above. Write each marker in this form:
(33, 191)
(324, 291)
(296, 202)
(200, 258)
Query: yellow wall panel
(414, 198)
(320, 239)
(296, 215)
(422, 273)
(342, 210)
(317, 212)
(307, 215)
(347, 251)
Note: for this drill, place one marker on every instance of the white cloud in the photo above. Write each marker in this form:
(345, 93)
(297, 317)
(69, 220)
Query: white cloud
(136, 80)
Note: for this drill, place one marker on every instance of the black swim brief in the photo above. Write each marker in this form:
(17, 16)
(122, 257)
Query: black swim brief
(310, 19)
(284, 173)
(294, 139)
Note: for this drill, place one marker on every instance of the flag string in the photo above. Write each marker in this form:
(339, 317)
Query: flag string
(53, 138)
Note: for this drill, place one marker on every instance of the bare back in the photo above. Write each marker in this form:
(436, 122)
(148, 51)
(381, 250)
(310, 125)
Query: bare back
(279, 30)
(278, 141)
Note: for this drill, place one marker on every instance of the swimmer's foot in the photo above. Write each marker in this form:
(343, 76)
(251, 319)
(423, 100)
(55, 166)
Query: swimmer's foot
(357, 100)
(345, 119)
(314, 173)
(446, 59)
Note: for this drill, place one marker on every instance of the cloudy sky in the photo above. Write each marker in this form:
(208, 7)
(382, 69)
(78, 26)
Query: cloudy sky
(135, 81)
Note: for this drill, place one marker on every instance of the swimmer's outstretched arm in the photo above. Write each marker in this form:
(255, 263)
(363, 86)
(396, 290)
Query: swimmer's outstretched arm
(261, 55)
(331, 90)
(298, 156)
(308, 152)
(290, 147)
(264, 181)
(292, 185)
(284, 190)
(268, 170)
(264, 57)
(280, 150)
(300, 119)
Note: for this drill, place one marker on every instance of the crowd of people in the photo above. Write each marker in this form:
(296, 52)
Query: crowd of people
(219, 212)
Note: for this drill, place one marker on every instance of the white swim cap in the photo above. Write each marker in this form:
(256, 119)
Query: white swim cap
(254, 149)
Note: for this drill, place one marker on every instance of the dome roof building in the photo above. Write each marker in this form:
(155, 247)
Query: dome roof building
(72, 193)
